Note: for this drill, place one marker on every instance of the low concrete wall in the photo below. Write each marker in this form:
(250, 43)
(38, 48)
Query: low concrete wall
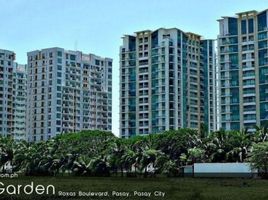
(223, 170)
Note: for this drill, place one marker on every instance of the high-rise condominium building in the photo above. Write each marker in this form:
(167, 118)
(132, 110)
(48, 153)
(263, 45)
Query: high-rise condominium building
(19, 101)
(167, 81)
(12, 96)
(243, 63)
(67, 91)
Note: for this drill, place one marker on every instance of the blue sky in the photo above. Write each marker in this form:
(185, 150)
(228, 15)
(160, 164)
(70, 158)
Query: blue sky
(97, 26)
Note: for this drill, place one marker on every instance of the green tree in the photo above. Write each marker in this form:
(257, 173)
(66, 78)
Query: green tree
(261, 133)
(259, 158)
(195, 155)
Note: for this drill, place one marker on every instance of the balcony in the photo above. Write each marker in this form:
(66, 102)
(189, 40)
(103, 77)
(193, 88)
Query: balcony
(249, 112)
(248, 69)
(249, 121)
(248, 77)
(249, 94)
(225, 94)
(226, 111)
(225, 61)
(225, 77)
(249, 103)
(251, 130)
(248, 59)
(247, 42)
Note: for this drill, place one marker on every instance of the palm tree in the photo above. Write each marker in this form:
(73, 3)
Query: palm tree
(6, 151)
(261, 133)
(195, 155)
(116, 151)
(128, 160)
(170, 168)
(149, 156)
(82, 166)
(99, 166)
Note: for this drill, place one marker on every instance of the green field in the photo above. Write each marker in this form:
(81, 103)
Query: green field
(174, 188)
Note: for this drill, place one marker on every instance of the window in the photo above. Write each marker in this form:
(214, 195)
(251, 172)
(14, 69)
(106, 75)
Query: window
(263, 75)
(262, 44)
(262, 21)
(154, 39)
(143, 62)
(262, 36)
(59, 53)
(250, 26)
(232, 26)
(72, 57)
(263, 60)
(244, 26)
(132, 43)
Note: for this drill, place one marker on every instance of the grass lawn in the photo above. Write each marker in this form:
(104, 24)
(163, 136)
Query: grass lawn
(174, 188)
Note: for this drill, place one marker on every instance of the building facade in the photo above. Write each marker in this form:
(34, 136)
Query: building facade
(68, 91)
(167, 81)
(12, 96)
(19, 101)
(243, 65)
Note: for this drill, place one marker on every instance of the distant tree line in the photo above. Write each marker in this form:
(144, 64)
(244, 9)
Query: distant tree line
(98, 153)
